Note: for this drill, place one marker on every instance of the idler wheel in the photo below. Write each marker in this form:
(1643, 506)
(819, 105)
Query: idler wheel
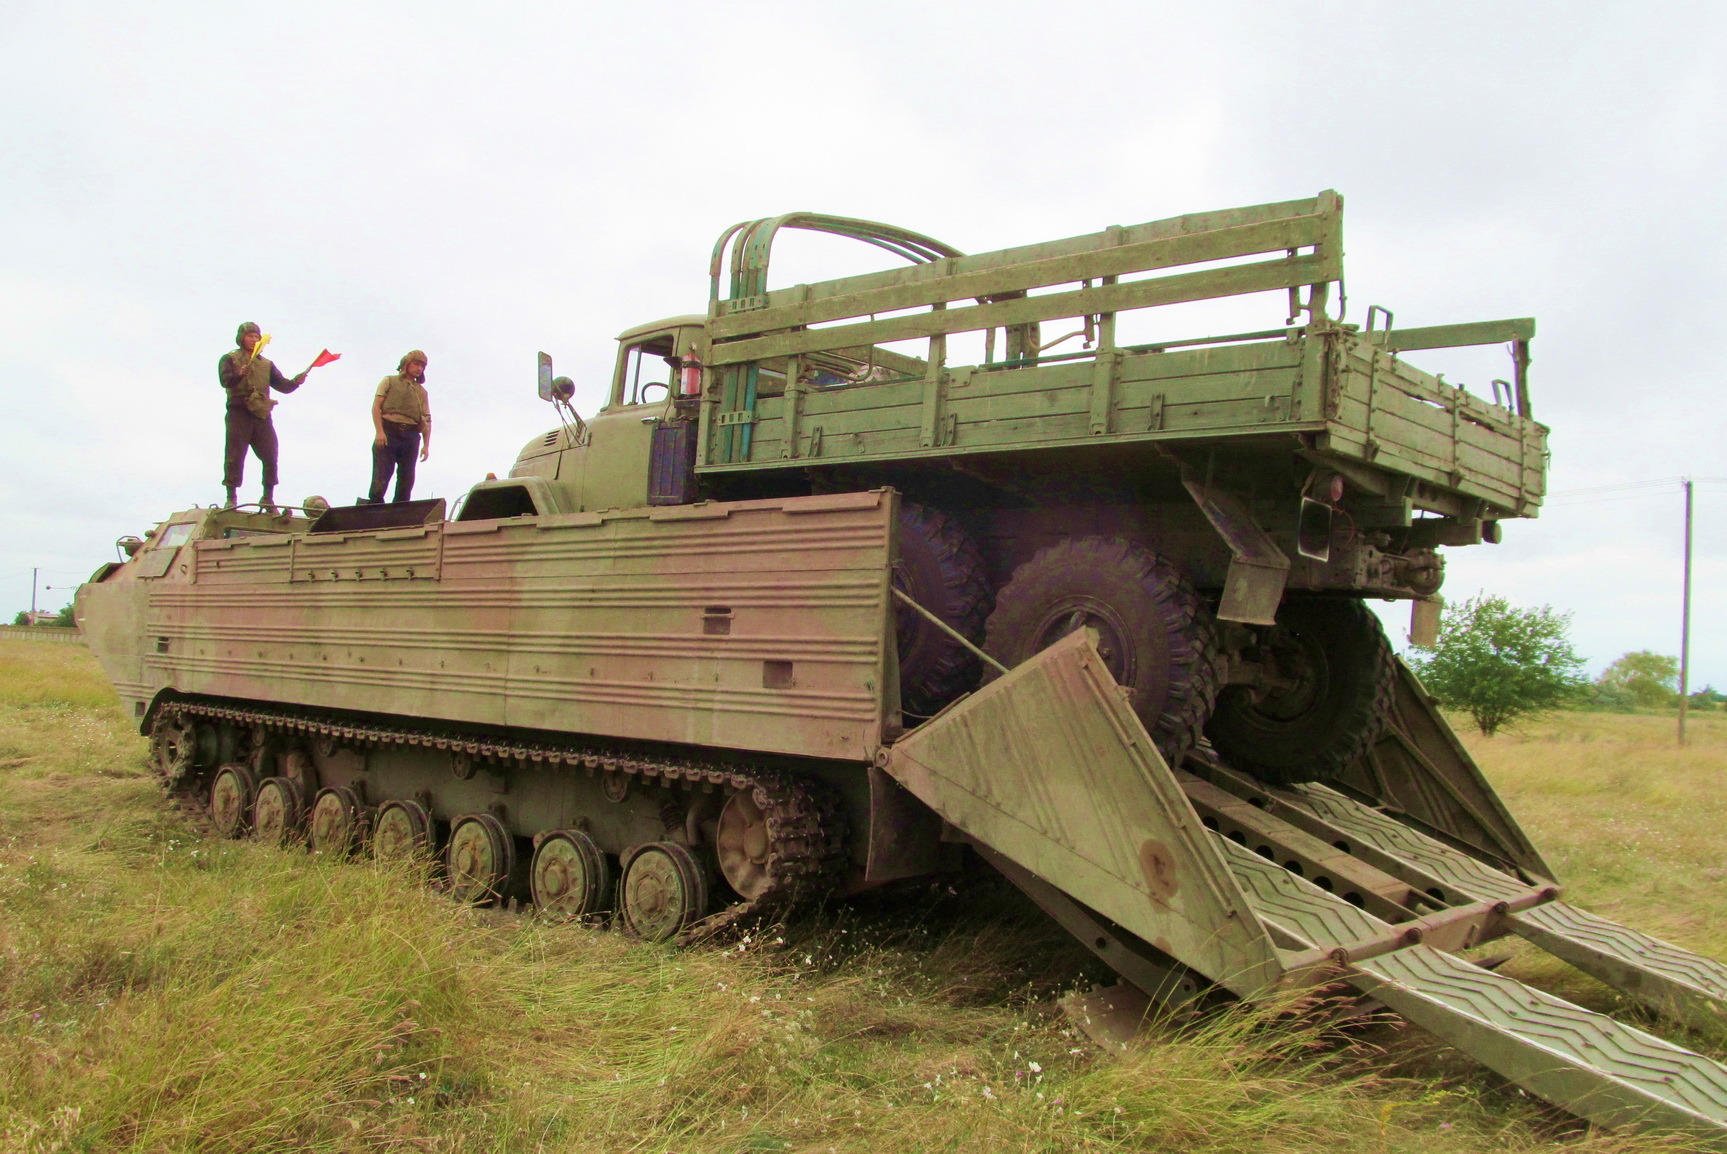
(402, 832)
(741, 842)
(480, 859)
(278, 812)
(231, 796)
(664, 891)
(571, 877)
(173, 749)
(336, 821)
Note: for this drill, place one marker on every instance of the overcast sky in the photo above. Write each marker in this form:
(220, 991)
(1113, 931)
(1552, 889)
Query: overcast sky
(486, 181)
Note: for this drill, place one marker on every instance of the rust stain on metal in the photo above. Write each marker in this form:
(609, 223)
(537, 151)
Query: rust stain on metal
(1158, 864)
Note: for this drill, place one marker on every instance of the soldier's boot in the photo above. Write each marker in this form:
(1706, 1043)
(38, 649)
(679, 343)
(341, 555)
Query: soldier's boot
(231, 501)
(268, 500)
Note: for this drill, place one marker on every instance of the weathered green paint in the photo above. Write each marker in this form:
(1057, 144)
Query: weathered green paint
(581, 622)
(1051, 768)
(566, 660)
(1343, 391)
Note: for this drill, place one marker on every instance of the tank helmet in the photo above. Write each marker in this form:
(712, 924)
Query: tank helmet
(414, 355)
(248, 327)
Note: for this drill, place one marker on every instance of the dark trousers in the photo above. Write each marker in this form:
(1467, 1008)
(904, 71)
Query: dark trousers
(401, 448)
(248, 432)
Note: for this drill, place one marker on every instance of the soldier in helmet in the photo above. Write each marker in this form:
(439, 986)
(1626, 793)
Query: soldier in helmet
(248, 378)
(401, 428)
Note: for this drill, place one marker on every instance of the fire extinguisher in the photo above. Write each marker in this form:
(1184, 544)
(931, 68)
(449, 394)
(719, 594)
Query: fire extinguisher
(691, 381)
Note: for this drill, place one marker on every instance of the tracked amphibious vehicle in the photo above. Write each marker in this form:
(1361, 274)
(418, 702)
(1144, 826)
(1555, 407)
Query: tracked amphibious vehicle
(799, 612)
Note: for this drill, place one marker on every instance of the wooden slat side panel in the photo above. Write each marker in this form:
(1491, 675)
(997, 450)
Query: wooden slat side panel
(1213, 389)
(1229, 241)
(1405, 420)
(1200, 222)
(1258, 276)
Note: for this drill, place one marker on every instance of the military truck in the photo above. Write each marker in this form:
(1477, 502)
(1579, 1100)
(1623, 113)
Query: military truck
(1213, 507)
(798, 613)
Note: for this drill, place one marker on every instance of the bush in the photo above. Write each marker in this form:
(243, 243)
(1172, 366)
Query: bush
(1497, 662)
(1647, 679)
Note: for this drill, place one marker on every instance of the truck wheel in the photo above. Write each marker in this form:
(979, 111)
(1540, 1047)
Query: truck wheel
(941, 569)
(1153, 632)
(1323, 700)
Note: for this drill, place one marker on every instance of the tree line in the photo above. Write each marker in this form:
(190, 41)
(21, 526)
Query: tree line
(1497, 662)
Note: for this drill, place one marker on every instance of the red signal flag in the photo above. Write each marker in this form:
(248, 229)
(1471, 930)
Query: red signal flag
(325, 358)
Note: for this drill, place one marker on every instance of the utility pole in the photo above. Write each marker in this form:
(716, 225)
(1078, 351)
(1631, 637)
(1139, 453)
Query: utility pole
(1685, 621)
(33, 574)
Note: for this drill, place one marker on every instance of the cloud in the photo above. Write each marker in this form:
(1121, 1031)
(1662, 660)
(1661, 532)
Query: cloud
(488, 183)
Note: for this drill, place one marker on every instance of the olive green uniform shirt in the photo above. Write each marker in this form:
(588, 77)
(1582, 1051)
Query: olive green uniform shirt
(405, 402)
(249, 382)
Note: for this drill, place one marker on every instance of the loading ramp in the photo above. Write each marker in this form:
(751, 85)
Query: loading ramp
(1202, 877)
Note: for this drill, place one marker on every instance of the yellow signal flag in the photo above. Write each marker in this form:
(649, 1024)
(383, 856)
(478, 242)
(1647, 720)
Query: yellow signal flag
(259, 347)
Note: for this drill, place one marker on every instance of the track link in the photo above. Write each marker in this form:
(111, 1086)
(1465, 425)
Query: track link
(806, 832)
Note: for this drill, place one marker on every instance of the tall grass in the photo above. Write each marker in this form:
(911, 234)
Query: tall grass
(162, 991)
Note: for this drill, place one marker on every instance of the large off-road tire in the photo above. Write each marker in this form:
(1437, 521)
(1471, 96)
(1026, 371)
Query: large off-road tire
(1329, 679)
(1154, 633)
(941, 569)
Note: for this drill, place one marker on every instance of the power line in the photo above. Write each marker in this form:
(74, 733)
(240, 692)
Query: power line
(1625, 486)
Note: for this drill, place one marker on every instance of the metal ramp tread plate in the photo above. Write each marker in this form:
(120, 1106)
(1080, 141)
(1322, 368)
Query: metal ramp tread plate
(1467, 875)
(1587, 1063)
(1686, 986)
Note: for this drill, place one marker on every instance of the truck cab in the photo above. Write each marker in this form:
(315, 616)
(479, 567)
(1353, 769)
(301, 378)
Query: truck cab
(606, 461)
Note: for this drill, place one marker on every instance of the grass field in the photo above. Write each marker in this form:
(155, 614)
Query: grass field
(164, 992)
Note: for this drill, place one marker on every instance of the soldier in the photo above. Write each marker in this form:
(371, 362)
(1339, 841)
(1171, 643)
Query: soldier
(401, 427)
(248, 379)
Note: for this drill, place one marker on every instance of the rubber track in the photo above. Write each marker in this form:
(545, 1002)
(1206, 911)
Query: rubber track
(805, 832)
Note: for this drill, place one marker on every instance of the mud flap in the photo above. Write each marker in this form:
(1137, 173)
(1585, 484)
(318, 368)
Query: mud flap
(1049, 767)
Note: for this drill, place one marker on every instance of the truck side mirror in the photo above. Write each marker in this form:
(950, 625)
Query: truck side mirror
(563, 389)
(545, 376)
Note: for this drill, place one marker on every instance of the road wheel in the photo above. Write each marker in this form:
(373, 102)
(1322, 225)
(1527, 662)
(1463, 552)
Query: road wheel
(664, 891)
(1153, 632)
(480, 860)
(278, 812)
(941, 569)
(337, 817)
(231, 796)
(1322, 700)
(571, 877)
(402, 832)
